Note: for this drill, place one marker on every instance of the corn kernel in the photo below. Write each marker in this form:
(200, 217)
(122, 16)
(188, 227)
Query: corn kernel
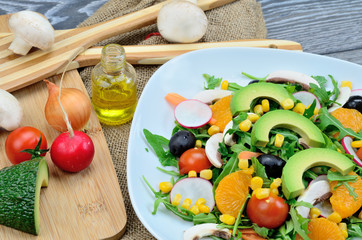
(339, 150)
(206, 174)
(262, 193)
(279, 140)
(224, 85)
(274, 191)
(198, 144)
(256, 182)
(203, 208)
(176, 200)
(343, 227)
(356, 144)
(245, 125)
(335, 217)
(200, 201)
(195, 209)
(314, 212)
(243, 164)
(192, 173)
(276, 183)
(227, 219)
(346, 84)
(165, 187)
(287, 104)
(253, 117)
(187, 203)
(258, 109)
(249, 170)
(213, 130)
(265, 105)
(299, 108)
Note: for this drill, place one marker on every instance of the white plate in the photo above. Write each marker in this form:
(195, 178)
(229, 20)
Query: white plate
(183, 75)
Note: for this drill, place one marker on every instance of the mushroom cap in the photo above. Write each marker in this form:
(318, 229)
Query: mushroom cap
(182, 21)
(34, 28)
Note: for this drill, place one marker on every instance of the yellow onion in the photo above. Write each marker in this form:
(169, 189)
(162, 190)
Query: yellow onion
(75, 103)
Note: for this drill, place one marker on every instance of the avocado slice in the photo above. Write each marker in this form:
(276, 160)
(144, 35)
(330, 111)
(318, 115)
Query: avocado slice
(292, 183)
(286, 119)
(243, 98)
(19, 194)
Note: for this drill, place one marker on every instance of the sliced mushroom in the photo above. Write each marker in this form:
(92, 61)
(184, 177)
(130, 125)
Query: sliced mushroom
(211, 95)
(292, 77)
(228, 138)
(316, 190)
(303, 143)
(211, 149)
(206, 229)
(11, 112)
(344, 94)
(30, 29)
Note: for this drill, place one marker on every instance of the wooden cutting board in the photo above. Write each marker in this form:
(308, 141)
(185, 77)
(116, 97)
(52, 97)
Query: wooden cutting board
(85, 205)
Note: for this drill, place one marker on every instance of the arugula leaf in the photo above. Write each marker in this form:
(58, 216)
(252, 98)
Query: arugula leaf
(325, 97)
(204, 218)
(300, 223)
(237, 220)
(327, 120)
(321, 80)
(158, 142)
(335, 91)
(260, 171)
(285, 229)
(172, 173)
(211, 81)
(253, 77)
(354, 230)
(309, 112)
(229, 167)
(234, 87)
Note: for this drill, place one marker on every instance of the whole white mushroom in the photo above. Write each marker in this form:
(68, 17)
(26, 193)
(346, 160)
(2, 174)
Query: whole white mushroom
(11, 112)
(30, 29)
(182, 21)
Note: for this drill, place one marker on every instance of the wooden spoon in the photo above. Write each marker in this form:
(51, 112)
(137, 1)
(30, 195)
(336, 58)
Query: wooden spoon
(20, 71)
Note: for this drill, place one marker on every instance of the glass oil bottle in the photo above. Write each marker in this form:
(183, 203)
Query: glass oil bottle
(114, 93)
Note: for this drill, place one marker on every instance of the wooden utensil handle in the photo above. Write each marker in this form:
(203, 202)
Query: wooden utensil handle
(135, 20)
(159, 54)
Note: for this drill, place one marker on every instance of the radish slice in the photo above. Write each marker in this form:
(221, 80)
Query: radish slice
(344, 94)
(192, 113)
(346, 143)
(211, 95)
(356, 92)
(211, 150)
(307, 98)
(194, 188)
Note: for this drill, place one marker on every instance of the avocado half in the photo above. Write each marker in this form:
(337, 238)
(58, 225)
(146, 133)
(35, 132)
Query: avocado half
(19, 194)
(292, 176)
(243, 98)
(286, 119)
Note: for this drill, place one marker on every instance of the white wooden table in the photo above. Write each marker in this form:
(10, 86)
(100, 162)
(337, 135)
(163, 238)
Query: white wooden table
(326, 27)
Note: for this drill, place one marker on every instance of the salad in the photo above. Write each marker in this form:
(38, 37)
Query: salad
(279, 158)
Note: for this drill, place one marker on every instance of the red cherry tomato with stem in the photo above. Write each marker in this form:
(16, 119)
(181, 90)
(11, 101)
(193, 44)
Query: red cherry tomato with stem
(193, 159)
(270, 212)
(21, 139)
(72, 154)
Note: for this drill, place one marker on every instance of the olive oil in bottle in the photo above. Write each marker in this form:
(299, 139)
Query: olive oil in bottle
(114, 93)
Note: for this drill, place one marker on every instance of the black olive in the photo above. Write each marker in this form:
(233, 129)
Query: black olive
(253, 81)
(354, 102)
(180, 142)
(273, 165)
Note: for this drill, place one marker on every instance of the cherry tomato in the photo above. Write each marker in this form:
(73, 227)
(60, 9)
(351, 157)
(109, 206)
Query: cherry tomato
(269, 212)
(72, 154)
(20, 139)
(193, 159)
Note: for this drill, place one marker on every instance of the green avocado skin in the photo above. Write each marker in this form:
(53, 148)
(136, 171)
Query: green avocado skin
(17, 195)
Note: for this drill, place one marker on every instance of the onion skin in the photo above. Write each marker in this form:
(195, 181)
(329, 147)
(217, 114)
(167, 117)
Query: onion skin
(75, 103)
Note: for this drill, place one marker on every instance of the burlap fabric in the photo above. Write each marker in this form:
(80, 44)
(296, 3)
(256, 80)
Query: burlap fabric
(242, 19)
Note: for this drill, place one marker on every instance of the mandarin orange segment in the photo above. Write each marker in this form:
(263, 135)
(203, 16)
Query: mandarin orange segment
(349, 118)
(322, 229)
(221, 112)
(231, 192)
(342, 202)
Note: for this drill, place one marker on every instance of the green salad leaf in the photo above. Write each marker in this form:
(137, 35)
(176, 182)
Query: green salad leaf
(211, 81)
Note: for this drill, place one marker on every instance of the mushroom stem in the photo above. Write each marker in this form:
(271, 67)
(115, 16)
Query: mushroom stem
(19, 46)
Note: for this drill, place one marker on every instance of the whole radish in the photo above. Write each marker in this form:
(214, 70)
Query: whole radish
(72, 153)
